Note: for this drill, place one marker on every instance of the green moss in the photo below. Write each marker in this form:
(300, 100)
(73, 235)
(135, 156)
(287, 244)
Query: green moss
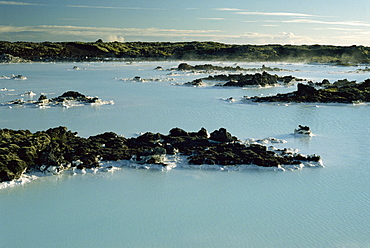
(342, 55)
(333, 89)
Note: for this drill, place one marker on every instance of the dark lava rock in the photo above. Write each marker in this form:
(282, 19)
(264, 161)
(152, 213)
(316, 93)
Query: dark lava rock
(196, 82)
(263, 79)
(210, 67)
(57, 149)
(42, 98)
(66, 96)
(184, 66)
(222, 135)
(305, 90)
(178, 132)
(347, 92)
(74, 96)
(243, 80)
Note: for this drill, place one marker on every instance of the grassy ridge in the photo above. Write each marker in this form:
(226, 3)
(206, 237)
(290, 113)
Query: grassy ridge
(87, 51)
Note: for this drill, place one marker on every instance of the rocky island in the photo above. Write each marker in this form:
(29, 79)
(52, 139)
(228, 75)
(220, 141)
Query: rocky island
(342, 91)
(59, 149)
(245, 80)
(67, 99)
(210, 67)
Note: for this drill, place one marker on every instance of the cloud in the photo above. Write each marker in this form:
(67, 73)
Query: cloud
(70, 19)
(309, 21)
(214, 18)
(18, 3)
(80, 33)
(6, 29)
(60, 28)
(280, 38)
(338, 29)
(273, 14)
(64, 33)
(227, 9)
(111, 7)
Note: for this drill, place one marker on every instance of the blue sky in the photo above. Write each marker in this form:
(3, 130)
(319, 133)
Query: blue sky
(335, 22)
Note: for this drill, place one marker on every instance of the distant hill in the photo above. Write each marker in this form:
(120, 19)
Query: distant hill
(99, 50)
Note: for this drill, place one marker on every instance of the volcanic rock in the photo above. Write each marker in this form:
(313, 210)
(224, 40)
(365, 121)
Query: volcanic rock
(58, 149)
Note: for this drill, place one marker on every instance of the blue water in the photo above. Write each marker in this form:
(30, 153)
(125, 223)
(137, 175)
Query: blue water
(312, 207)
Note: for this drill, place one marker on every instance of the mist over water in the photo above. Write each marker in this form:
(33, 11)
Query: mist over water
(312, 207)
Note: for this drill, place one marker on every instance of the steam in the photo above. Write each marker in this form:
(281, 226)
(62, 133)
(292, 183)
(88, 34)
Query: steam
(113, 37)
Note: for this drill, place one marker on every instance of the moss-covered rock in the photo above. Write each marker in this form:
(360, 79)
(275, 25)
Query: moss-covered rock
(57, 149)
(93, 51)
(245, 80)
(342, 92)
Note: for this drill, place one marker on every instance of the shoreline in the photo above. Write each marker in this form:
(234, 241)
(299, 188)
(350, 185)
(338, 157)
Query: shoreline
(206, 51)
(194, 60)
(132, 60)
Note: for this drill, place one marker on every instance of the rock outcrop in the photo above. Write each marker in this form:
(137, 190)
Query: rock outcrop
(210, 67)
(7, 58)
(245, 80)
(196, 82)
(342, 91)
(303, 130)
(58, 149)
(207, 67)
(67, 99)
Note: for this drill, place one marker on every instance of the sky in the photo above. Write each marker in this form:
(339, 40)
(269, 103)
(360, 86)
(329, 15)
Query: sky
(295, 22)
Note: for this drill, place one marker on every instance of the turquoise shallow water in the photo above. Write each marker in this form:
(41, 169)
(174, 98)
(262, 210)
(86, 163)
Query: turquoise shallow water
(313, 207)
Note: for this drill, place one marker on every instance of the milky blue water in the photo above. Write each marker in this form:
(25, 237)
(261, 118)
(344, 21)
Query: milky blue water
(312, 207)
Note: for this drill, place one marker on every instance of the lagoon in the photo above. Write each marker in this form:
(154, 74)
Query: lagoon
(312, 207)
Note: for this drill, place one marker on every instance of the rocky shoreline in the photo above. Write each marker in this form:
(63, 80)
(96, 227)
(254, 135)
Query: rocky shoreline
(59, 149)
(206, 51)
(10, 59)
(342, 91)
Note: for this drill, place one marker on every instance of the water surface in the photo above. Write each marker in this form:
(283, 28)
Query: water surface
(313, 207)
